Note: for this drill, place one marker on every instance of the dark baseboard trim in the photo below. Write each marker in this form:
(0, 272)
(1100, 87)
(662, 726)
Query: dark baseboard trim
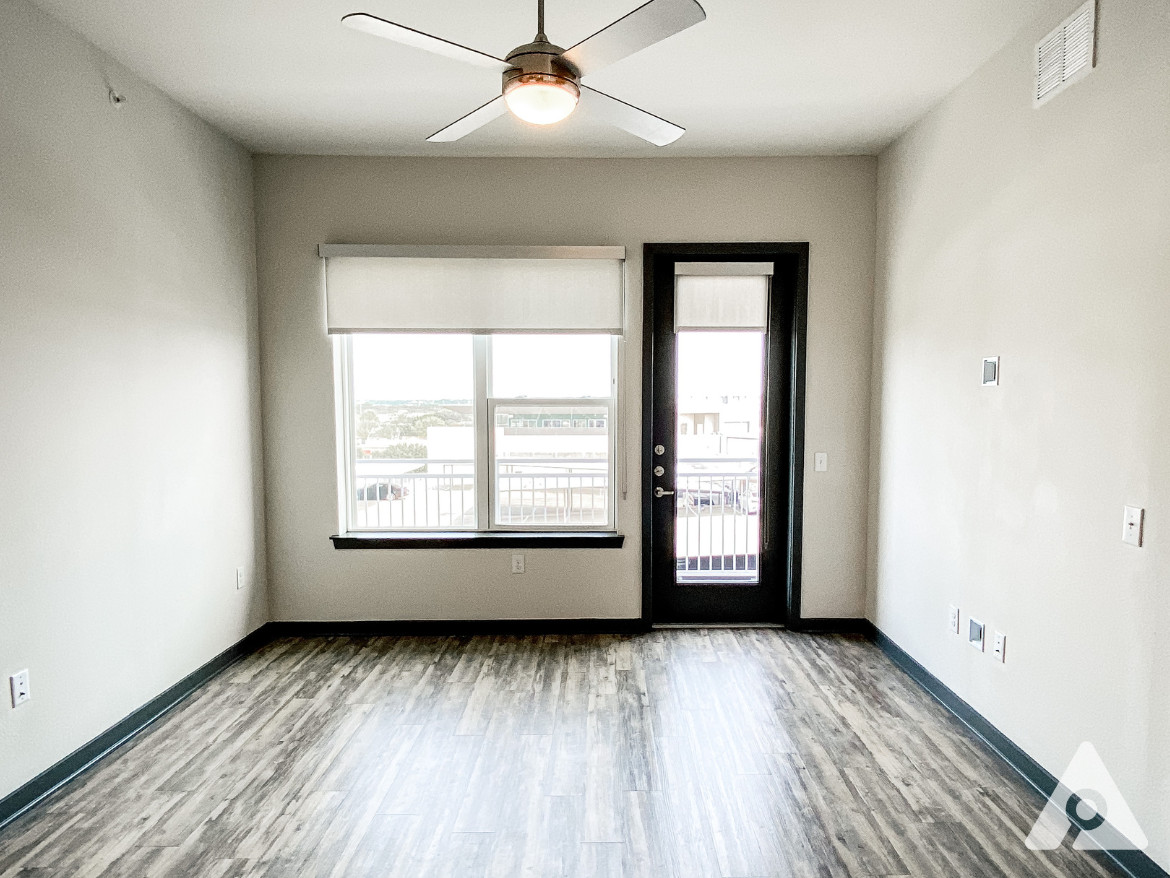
(1132, 864)
(84, 757)
(831, 625)
(454, 627)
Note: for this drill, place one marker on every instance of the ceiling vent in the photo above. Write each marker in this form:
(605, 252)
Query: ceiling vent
(1066, 54)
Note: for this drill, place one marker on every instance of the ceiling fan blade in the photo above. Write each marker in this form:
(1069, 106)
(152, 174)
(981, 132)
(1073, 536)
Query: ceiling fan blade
(648, 24)
(629, 118)
(408, 36)
(493, 109)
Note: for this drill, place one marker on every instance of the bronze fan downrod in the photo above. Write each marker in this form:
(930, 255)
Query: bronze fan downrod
(540, 61)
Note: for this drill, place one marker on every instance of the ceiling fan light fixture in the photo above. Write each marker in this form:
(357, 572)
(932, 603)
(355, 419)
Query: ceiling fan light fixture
(542, 81)
(541, 98)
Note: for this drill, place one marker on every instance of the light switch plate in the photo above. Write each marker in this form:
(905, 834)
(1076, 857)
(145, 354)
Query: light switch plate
(821, 462)
(1134, 522)
(998, 646)
(18, 683)
(953, 620)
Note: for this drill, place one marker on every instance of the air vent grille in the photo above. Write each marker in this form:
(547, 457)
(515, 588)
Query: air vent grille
(1066, 54)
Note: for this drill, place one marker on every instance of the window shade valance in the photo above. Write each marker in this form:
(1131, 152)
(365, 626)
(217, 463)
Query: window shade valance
(473, 289)
(722, 295)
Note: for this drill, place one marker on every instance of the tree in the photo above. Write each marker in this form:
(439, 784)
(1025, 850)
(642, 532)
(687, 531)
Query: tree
(418, 425)
(386, 431)
(367, 422)
(402, 451)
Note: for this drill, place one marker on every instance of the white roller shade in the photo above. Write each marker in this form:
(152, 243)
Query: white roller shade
(721, 302)
(468, 289)
(724, 269)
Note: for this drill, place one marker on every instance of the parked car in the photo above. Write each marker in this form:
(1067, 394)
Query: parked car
(382, 491)
(709, 495)
(738, 493)
(747, 494)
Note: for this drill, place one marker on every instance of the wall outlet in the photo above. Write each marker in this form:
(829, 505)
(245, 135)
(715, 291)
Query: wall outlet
(953, 620)
(517, 563)
(975, 633)
(821, 462)
(18, 683)
(999, 646)
(239, 578)
(1131, 530)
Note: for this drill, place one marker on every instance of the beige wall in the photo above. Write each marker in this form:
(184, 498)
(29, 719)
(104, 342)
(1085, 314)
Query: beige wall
(1042, 236)
(302, 201)
(129, 422)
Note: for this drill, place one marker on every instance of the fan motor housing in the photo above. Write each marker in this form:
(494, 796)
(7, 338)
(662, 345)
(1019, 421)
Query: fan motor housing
(540, 59)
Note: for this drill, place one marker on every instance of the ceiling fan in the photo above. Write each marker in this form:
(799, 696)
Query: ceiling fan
(542, 81)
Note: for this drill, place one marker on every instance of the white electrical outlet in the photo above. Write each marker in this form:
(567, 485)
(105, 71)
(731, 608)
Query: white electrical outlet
(999, 646)
(517, 563)
(975, 633)
(953, 620)
(239, 578)
(821, 462)
(18, 683)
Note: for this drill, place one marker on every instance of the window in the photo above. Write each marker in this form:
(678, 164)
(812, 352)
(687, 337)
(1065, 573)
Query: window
(419, 453)
(476, 387)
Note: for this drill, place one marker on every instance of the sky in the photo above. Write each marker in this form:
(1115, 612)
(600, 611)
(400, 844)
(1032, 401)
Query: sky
(399, 366)
(720, 364)
(439, 366)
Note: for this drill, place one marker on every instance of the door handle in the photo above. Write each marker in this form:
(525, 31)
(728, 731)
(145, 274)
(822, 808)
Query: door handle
(658, 492)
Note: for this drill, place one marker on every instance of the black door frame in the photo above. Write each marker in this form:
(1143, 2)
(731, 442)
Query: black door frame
(788, 332)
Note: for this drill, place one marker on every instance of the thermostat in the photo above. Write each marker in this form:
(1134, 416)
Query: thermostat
(990, 371)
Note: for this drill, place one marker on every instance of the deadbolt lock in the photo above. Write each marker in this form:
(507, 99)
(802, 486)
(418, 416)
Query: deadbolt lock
(658, 471)
(660, 449)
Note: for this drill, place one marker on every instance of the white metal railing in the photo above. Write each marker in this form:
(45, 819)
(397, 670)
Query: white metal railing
(717, 531)
(431, 493)
(552, 491)
(416, 493)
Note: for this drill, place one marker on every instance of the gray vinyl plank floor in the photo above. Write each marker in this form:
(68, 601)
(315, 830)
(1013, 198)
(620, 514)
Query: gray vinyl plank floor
(713, 753)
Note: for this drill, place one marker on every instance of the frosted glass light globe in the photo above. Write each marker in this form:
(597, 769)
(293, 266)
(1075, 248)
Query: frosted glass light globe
(540, 98)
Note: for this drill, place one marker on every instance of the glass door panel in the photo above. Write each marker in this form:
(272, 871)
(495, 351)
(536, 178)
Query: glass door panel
(720, 406)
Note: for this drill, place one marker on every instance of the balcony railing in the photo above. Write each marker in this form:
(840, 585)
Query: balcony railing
(717, 533)
(549, 491)
(414, 494)
(426, 494)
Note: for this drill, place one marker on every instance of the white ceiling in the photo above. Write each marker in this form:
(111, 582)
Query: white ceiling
(758, 77)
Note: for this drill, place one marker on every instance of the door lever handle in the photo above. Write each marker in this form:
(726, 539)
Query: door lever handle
(658, 492)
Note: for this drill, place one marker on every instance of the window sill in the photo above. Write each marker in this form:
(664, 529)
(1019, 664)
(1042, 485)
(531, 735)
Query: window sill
(481, 540)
